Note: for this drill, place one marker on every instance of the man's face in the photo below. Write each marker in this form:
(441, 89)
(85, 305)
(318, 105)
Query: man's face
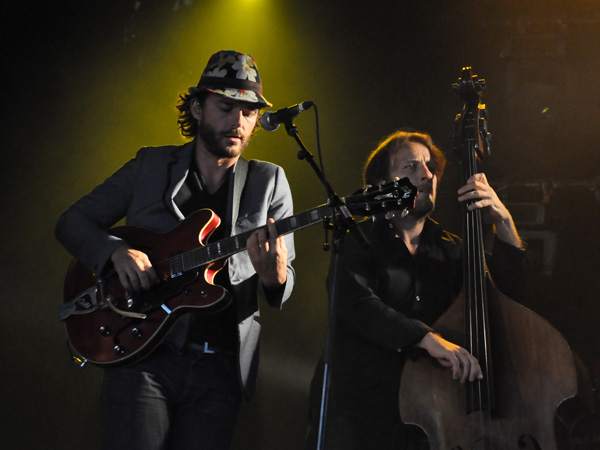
(225, 125)
(414, 161)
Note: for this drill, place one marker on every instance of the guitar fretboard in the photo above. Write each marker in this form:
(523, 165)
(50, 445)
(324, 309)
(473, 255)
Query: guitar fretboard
(397, 194)
(224, 248)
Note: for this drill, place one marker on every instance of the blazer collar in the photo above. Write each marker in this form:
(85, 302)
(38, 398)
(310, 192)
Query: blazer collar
(179, 165)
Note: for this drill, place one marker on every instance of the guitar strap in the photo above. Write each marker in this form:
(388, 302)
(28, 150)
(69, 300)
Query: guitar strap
(239, 181)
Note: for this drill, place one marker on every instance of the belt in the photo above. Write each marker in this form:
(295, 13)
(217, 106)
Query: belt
(207, 349)
(202, 348)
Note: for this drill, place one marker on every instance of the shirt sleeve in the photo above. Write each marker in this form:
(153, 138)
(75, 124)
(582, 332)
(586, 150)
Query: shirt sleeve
(82, 228)
(281, 206)
(508, 268)
(360, 310)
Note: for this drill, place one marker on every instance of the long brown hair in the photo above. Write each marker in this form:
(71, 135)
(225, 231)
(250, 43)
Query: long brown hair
(378, 165)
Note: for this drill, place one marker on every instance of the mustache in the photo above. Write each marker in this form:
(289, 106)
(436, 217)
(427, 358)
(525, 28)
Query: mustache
(232, 132)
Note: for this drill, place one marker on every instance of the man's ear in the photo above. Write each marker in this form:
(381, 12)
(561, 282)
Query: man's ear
(196, 109)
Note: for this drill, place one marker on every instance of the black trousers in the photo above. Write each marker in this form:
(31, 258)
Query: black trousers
(171, 400)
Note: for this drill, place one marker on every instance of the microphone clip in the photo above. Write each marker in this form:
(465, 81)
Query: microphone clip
(271, 120)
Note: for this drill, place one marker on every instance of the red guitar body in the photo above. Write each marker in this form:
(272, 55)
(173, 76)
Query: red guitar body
(105, 336)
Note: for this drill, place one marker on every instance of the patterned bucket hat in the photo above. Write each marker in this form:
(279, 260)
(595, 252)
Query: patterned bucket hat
(233, 75)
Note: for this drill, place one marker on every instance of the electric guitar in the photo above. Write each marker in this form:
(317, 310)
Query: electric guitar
(108, 325)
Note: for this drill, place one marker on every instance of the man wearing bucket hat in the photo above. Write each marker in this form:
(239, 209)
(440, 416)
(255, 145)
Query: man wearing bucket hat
(186, 393)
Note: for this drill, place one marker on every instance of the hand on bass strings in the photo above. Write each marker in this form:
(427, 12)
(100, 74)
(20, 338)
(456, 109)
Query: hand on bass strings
(464, 366)
(268, 255)
(134, 268)
(485, 198)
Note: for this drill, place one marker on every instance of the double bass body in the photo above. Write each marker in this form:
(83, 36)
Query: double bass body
(528, 367)
(533, 373)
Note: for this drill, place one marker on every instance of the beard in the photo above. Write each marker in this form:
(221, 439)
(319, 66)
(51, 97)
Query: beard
(423, 207)
(213, 142)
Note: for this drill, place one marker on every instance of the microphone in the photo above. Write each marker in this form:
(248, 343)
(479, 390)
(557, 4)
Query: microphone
(270, 120)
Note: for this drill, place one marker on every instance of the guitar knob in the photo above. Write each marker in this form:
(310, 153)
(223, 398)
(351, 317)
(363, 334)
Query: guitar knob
(105, 331)
(119, 350)
(136, 332)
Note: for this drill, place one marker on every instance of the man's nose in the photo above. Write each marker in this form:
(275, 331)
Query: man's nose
(236, 117)
(426, 175)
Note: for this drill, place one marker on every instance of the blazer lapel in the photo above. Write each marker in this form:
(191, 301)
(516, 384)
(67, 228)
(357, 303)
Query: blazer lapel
(179, 166)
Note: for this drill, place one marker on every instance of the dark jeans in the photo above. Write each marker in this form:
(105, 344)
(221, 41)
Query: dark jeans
(171, 400)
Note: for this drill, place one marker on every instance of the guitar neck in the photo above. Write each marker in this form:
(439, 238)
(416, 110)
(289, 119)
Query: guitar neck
(397, 194)
(226, 247)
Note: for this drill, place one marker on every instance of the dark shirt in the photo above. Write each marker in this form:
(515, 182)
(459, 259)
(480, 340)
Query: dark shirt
(386, 301)
(219, 329)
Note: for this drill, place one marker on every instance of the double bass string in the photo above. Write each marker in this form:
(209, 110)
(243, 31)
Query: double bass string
(479, 393)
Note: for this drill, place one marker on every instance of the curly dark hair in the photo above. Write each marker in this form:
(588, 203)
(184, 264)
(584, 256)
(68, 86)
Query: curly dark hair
(188, 125)
(378, 165)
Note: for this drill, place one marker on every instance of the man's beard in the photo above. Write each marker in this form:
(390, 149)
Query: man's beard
(423, 209)
(213, 143)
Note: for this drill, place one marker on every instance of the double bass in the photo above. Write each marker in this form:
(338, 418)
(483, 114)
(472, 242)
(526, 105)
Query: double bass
(528, 368)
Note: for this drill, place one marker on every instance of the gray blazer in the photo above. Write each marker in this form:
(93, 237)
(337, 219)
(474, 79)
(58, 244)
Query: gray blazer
(143, 190)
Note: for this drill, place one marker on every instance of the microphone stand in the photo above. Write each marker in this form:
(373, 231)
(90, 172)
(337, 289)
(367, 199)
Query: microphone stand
(347, 222)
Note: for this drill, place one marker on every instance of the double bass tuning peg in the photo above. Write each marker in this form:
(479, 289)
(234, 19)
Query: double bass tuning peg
(484, 134)
(468, 84)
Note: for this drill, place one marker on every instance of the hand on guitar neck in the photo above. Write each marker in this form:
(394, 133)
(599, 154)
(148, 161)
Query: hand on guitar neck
(268, 254)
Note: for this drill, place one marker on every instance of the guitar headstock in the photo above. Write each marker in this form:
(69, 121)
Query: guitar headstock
(399, 194)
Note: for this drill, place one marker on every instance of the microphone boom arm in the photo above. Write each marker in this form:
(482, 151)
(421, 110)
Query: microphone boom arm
(347, 222)
(333, 199)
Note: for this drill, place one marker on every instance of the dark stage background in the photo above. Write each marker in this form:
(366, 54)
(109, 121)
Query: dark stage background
(86, 83)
